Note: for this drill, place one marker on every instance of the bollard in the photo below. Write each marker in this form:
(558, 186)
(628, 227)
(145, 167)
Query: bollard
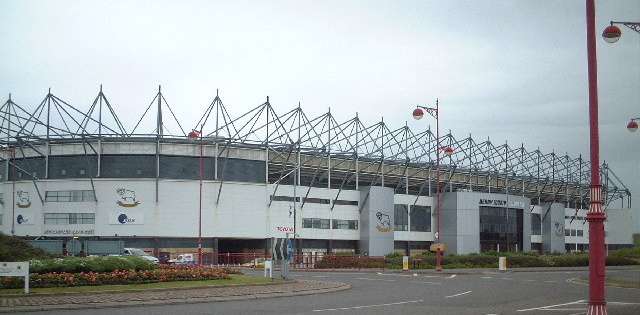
(502, 263)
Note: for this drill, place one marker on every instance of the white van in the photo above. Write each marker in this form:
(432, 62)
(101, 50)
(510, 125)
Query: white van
(183, 259)
(141, 253)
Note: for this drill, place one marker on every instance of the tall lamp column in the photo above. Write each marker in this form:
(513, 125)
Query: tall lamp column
(193, 135)
(596, 216)
(418, 113)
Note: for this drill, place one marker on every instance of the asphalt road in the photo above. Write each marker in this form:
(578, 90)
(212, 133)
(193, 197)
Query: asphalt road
(395, 292)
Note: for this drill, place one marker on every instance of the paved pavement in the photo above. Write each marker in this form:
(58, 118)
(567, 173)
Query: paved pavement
(12, 303)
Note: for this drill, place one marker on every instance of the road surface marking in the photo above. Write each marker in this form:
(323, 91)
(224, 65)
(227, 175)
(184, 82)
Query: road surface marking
(427, 282)
(551, 306)
(366, 306)
(459, 294)
(372, 279)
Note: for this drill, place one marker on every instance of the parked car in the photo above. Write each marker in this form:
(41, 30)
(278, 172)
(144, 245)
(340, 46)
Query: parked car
(141, 253)
(255, 263)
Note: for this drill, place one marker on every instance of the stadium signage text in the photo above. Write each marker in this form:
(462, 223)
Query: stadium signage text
(69, 232)
(497, 202)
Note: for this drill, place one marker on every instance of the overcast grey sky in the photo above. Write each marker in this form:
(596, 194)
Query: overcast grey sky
(512, 71)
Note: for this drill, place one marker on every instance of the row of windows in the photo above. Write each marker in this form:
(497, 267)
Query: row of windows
(316, 223)
(139, 166)
(420, 218)
(314, 200)
(69, 218)
(70, 196)
(571, 232)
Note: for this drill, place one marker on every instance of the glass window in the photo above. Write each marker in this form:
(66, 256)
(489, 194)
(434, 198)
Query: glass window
(420, 219)
(69, 218)
(315, 223)
(536, 224)
(345, 202)
(401, 217)
(503, 227)
(317, 200)
(70, 196)
(345, 224)
(284, 198)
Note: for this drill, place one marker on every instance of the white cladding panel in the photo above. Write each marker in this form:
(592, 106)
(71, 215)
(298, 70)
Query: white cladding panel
(128, 207)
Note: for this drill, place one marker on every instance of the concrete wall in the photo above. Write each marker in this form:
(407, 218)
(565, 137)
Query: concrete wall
(553, 224)
(376, 221)
(460, 222)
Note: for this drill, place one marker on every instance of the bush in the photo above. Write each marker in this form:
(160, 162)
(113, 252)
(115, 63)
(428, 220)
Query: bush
(89, 264)
(16, 249)
(350, 262)
(526, 261)
(621, 261)
(633, 252)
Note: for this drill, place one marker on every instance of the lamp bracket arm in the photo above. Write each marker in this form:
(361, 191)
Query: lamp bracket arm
(632, 25)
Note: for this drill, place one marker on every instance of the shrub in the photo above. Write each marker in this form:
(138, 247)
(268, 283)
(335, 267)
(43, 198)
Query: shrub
(16, 249)
(393, 255)
(350, 262)
(621, 261)
(633, 252)
(526, 261)
(89, 264)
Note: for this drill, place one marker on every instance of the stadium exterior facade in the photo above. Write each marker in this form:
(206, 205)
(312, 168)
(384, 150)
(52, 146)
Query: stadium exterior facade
(334, 187)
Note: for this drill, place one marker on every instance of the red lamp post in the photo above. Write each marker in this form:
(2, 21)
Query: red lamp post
(596, 216)
(193, 135)
(418, 113)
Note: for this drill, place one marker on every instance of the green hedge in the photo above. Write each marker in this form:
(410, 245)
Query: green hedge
(89, 264)
(623, 257)
(350, 262)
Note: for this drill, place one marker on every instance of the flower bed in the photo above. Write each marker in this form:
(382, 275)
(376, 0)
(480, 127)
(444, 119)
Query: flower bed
(159, 274)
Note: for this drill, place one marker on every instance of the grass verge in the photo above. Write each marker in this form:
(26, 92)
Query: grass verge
(235, 280)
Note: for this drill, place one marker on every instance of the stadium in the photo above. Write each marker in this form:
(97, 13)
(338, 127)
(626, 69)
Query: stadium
(236, 184)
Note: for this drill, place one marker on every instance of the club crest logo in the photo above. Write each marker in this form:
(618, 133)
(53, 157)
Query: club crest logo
(23, 199)
(384, 222)
(559, 229)
(128, 198)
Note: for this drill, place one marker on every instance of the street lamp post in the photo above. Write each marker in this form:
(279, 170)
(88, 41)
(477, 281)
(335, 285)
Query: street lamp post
(596, 216)
(418, 113)
(193, 135)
